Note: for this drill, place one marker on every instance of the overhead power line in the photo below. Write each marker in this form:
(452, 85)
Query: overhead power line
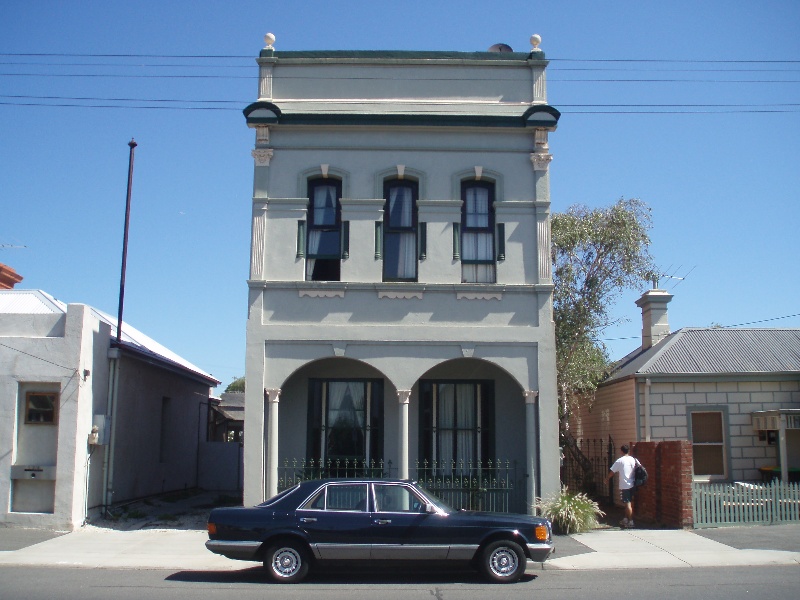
(551, 59)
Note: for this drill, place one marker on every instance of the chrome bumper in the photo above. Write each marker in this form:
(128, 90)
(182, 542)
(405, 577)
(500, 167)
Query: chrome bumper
(234, 550)
(540, 552)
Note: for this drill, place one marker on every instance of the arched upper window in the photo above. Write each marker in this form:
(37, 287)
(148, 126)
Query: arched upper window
(477, 232)
(400, 230)
(324, 239)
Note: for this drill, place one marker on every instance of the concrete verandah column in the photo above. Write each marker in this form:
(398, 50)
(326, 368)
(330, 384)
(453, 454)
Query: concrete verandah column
(531, 451)
(273, 396)
(403, 398)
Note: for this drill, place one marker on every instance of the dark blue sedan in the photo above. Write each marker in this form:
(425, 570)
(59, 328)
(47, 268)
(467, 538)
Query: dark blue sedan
(343, 521)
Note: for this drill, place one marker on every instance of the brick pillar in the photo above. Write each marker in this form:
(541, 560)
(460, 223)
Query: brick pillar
(666, 499)
(647, 499)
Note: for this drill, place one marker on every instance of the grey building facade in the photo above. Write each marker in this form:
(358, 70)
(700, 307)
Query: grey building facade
(400, 291)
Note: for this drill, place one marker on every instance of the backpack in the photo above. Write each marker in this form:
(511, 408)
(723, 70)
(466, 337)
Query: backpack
(639, 475)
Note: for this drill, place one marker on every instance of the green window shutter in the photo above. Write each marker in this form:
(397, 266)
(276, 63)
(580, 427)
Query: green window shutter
(501, 241)
(345, 240)
(378, 240)
(423, 241)
(301, 239)
(456, 241)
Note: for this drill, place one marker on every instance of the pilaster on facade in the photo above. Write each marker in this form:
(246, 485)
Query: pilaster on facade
(262, 156)
(258, 240)
(544, 243)
(541, 161)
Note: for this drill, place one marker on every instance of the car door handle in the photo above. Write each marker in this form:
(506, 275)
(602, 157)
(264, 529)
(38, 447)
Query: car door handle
(308, 520)
(383, 521)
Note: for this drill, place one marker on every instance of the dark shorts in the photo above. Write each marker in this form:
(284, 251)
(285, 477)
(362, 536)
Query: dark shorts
(627, 495)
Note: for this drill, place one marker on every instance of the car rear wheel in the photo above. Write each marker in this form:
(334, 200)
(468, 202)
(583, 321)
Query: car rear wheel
(503, 561)
(286, 562)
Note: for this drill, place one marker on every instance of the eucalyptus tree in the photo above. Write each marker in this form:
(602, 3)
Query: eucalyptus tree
(597, 254)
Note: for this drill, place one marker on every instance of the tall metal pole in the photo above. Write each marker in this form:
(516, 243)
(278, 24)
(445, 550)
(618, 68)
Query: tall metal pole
(132, 144)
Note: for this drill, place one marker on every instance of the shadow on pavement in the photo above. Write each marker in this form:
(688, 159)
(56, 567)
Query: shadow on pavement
(337, 577)
(12, 539)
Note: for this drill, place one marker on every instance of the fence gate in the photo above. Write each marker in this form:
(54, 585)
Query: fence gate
(585, 466)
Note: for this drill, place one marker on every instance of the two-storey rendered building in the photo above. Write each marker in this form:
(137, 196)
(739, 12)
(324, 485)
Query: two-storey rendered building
(400, 292)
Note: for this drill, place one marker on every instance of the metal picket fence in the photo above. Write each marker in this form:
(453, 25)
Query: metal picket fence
(295, 470)
(479, 485)
(471, 485)
(740, 503)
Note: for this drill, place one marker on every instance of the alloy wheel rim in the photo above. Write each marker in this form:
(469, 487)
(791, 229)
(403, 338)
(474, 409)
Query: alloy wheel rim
(503, 562)
(286, 562)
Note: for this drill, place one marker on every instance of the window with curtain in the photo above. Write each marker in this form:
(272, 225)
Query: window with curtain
(323, 240)
(345, 420)
(400, 231)
(477, 232)
(708, 443)
(457, 421)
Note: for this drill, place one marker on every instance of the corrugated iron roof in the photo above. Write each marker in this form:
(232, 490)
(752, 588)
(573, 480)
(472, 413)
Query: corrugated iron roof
(29, 302)
(39, 302)
(715, 350)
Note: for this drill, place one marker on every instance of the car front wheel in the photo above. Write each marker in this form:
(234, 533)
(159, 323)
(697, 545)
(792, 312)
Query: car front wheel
(286, 562)
(503, 561)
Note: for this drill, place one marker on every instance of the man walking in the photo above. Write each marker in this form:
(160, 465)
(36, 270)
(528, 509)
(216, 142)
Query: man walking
(625, 466)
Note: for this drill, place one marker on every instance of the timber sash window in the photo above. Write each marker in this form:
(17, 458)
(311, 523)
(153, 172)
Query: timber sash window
(708, 443)
(400, 231)
(324, 243)
(345, 420)
(457, 422)
(477, 232)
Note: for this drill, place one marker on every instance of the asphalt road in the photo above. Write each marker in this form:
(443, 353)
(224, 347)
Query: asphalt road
(23, 583)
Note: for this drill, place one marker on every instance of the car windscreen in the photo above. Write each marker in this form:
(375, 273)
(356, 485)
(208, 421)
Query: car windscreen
(436, 501)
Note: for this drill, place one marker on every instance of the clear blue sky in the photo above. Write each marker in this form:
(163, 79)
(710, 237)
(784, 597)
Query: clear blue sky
(714, 151)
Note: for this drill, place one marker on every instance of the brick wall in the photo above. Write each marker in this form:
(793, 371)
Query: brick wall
(666, 499)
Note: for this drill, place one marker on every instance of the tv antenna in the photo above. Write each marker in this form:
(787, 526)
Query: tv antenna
(672, 275)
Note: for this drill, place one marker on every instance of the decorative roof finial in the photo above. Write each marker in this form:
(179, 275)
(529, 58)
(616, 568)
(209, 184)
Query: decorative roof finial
(269, 39)
(536, 39)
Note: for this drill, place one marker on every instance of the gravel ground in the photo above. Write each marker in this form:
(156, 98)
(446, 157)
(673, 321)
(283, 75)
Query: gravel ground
(177, 510)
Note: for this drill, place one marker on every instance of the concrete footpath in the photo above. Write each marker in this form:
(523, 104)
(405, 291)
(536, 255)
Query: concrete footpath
(611, 548)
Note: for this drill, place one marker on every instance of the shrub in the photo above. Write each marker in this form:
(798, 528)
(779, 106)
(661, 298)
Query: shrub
(570, 512)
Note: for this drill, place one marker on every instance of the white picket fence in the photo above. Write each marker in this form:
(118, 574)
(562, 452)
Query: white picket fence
(730, 504)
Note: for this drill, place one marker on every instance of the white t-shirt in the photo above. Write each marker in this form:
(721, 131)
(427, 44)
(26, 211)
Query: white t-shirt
(625, 465)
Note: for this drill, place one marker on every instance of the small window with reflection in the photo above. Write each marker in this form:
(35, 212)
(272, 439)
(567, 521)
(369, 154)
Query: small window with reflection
(41, 408)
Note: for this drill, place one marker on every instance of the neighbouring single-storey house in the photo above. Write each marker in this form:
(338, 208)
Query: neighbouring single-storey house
(226, 418)
(88, 421)
(733, 392)
(400, 291)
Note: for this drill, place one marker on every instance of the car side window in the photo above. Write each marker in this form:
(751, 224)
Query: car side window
(347, 497)
(316, 502)
(397, 498)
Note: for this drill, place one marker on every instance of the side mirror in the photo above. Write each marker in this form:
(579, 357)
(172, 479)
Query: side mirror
(430, 509)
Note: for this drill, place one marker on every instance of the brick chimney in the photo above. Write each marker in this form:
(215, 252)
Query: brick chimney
(655, 325)
(8, 277)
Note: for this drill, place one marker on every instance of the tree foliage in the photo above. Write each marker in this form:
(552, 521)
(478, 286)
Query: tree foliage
(597, 254)
(237, 385)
